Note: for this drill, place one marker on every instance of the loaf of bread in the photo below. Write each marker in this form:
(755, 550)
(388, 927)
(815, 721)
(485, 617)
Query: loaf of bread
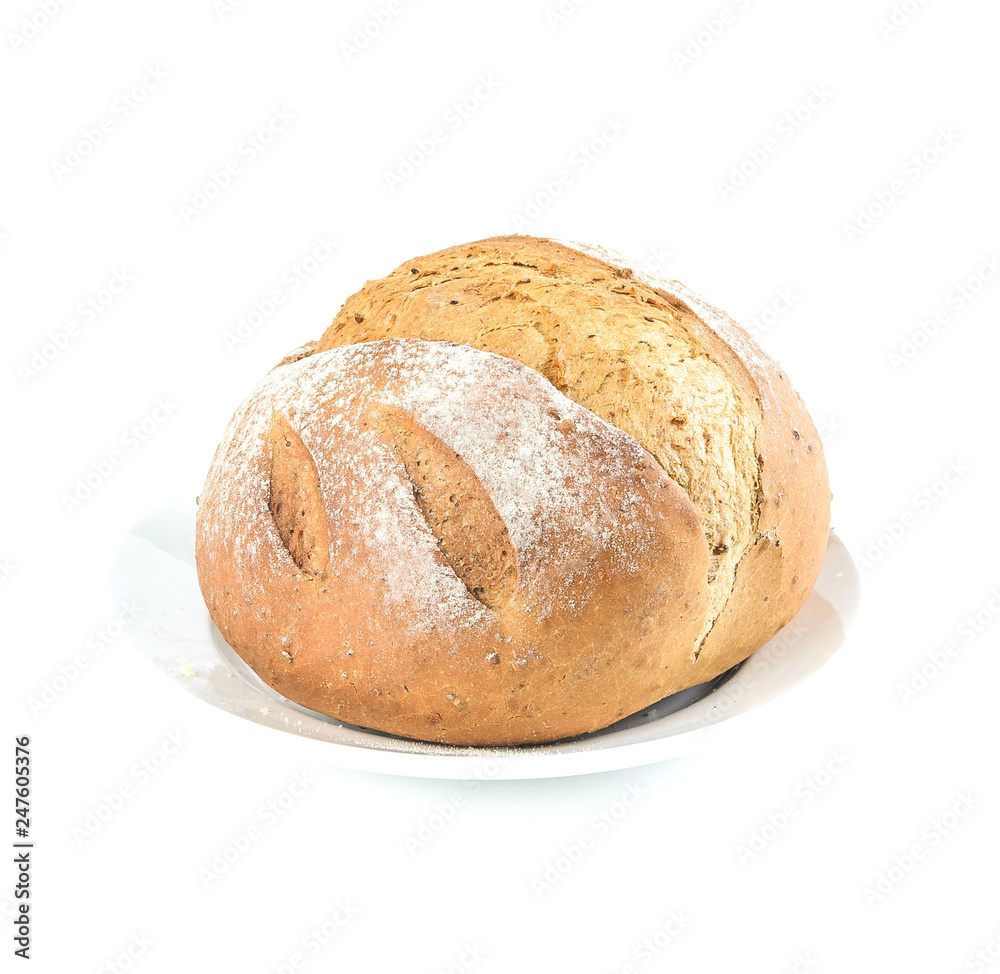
(517, 491)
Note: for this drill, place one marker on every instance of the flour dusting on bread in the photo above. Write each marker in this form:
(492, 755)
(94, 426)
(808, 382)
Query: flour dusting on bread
(516, 491)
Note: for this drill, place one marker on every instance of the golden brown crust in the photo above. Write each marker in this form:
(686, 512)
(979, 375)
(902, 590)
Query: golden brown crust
(664, 366)
(434, 465)
(491, 635)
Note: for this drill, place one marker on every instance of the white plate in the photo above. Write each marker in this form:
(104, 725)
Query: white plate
(155, 567)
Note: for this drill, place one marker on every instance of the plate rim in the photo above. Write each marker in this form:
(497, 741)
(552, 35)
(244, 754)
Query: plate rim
(456, 762)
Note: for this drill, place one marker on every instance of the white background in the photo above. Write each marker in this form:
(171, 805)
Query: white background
(541, 91)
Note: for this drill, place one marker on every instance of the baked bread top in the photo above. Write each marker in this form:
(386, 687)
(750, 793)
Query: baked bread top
(679, 376)
(517, 491)
(431, 540)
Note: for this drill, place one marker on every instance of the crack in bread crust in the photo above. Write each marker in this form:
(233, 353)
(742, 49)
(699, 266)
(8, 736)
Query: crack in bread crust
(611, 343)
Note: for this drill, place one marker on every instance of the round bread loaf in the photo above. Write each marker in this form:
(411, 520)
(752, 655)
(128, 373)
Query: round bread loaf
(431, 540)
(624, 500)
(676, 374)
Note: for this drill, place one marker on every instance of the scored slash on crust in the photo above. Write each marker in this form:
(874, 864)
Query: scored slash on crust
(295, 499)
(470, 532)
